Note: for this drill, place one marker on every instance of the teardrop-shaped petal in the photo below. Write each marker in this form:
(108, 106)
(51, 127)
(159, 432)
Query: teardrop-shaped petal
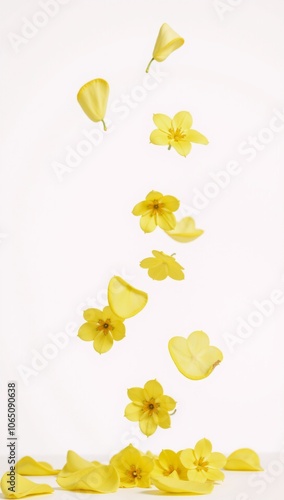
(167, 41)
(243, 459)
(23, 487)
(75, 462)
(174, 485)
(103, 342)
(182, 120)
(133, 412)
(93, 98)
(124, 299)
(99, 479)
(27, 466)
(203, 448)
(185, 230)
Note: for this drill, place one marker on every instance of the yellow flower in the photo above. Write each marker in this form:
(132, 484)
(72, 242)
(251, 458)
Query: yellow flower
(168, 41)
(102, 327)
(194, 357)
(175, 485)
(133, 467)
(125, 300)
(168, 464)
(203, 465)
(156, 210)
(93, 98)
(27, 466)
(23, 487)
(150, 407)
(185, 231)
(243, 459)
(162, 265)
(79, 474)
(176, 132)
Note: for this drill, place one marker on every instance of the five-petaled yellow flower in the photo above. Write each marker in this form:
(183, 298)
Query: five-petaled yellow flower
(103, 327)
(162, 265)
(157, 210)
(150, 407)
(167, 41)
(176, 132)
(168, 464)
(93, 98)
(203, 465)
(133, 467)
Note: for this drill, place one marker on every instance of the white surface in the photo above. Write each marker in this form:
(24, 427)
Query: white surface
(62, 241)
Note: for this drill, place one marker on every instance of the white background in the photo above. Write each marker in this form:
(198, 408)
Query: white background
(64, 236)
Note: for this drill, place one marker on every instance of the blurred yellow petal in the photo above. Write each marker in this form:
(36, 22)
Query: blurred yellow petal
(168, 41)
(182, 119)
(23, 487)
(75, 462)
(188, 458)
(164, 419)
(159, 272)
(153, 195)
(197, 137)
(92, 315)
(125, 300)
(87, 331)
(99, 479)
(176, 271)
(147, 425)
(196, 475)
(193, 356)
(215, 475)
(174, 485)
(93, 98)
(141, 208)
(103, 343)
(148, 263)
(27, 466)
(182, 147)
(166, 221)
(153, 389)
(185, 230)
(136, 394)
(217, 460)
(133, 412)
(167, 402)
(243, 459)
(148, 223)
(171, 203)
(159, 138)
(118, 332)
(203, 448)
(162, 122)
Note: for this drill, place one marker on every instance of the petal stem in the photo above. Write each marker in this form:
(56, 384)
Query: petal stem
(148, 67)
(169, 146)
(105, 127)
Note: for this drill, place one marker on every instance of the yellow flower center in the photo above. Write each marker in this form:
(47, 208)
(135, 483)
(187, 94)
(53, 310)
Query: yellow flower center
(176, 134)
(134, 473)
(156, 207)
(150, 406)
(201, 464)
(105, 326)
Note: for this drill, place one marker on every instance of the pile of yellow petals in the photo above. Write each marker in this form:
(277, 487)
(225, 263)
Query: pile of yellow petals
(150, 407)
(194, 357)
(185, 231)
(176, 132)
(103, 327)
(167, 41)
(161, 266)
(243, 459)
(157, 210)
(134, 468)
(79, 474)
(93, 99)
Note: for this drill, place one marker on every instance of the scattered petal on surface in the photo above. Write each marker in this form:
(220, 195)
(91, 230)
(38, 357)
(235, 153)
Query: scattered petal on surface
(176, 485)
(243, 459)
(23, 487)
(27, 466)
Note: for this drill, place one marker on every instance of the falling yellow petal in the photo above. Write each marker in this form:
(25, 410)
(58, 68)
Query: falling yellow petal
(175, 485)
(23, 487)
(93, 98)
(194, 357)
(243, 459)
(125, 300)
(167, 41)
(27, 466)
(185, 230)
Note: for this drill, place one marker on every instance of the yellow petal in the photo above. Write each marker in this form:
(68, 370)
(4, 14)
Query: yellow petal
(215, 475)
(166, 221)
(167, 402)
(103, 343)
(153, 389)
(27, 466)
(92, 315)
(75, 462)
(182, 120)
(23, 487)
(136, 394)
(188, 458)
(174, 485)
(148, 223)
(125, 300)
(133, 412)
(197, 137)
(168, 458)
(175, 271)
(153, 195)
(93, 98)
(185, 230)
(148, 262)
(159, 138)
(164, 420)
(182, 147)
(99, 479)
(87, 331)
(141, 208)
(118, 331)
(162, 122)
(171, 202)
(203, 448)
(217, 460)
(168, 41)
(243, 459)
(159, 272)
(198, 475)
(147, 424)
(193, 356)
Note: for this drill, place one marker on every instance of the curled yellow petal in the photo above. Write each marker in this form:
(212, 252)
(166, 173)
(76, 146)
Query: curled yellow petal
(93, 98)
(17, 486)
(243, 459)
(125, 300)
(194, 357)
(167, 41)
(185, 231)
(174, 485)
(27, 466)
